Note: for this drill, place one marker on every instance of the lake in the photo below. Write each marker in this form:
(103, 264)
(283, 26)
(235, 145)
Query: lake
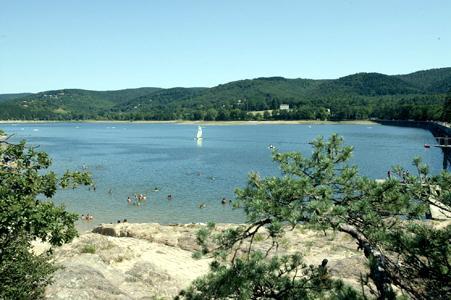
(129, 158)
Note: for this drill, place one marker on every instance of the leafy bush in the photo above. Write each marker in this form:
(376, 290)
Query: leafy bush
(23, 275)
(23, 218)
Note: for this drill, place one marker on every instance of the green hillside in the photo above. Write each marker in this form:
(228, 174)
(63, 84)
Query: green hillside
(434, 80)
(418, 95)
(67, 104)
(374, 84)
(257, 94)
(357, 96)
(6, 97)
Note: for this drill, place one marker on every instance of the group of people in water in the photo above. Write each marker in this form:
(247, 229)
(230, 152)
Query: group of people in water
(88, 217)
(138, 199)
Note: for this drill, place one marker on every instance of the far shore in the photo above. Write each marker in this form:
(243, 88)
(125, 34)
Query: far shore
(222, 123)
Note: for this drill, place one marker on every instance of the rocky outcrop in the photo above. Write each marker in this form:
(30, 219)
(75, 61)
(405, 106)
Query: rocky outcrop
(94, 266)
(148, 261)
(182, 236)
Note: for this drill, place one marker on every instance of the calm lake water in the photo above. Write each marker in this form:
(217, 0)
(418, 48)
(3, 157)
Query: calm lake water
(135, 158)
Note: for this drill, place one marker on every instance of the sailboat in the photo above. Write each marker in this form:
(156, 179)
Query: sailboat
(199, 133)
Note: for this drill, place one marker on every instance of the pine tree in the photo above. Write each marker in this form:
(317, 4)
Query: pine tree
(406, 255)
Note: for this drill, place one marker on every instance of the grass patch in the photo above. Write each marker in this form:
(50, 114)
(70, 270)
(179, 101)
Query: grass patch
(259, 237)
(88, 249)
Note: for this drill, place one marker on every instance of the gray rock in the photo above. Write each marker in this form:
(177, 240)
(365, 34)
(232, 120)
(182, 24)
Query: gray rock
(82, 282)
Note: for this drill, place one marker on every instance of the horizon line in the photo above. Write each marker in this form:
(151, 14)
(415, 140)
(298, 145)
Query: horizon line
(208, 87)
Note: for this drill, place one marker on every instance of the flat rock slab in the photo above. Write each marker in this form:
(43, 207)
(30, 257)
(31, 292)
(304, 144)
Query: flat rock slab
(94, 266)
(148, 261)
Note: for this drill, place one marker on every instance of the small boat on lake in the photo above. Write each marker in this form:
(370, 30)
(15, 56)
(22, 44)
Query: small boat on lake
(199, 133)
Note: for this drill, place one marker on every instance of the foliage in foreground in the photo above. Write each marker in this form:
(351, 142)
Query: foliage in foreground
(23, 274)
(284, 277)
(406, 255)
(24, 218)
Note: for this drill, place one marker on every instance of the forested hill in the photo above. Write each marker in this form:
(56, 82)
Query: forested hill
(5, 97)
(67, 104)
(418, 95)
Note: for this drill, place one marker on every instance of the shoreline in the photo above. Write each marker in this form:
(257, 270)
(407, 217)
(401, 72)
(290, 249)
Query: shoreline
(207, 123)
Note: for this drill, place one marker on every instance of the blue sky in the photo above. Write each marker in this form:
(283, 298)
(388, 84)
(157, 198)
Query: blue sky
(114, 44)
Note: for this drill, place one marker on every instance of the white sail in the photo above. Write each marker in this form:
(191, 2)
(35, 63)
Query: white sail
(199, 132)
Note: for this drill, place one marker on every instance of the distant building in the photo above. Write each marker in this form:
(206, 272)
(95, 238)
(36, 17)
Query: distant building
(284, 107)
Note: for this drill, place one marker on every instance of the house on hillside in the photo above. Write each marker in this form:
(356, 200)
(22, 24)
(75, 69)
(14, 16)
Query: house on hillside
(284, 107)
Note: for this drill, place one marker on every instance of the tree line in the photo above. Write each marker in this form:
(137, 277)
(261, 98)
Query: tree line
(388, 111)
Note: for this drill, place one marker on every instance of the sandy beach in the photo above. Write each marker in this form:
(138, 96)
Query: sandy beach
(215, 123)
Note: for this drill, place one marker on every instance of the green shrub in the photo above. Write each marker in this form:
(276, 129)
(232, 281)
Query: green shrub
(89, 248)
(24, 218)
